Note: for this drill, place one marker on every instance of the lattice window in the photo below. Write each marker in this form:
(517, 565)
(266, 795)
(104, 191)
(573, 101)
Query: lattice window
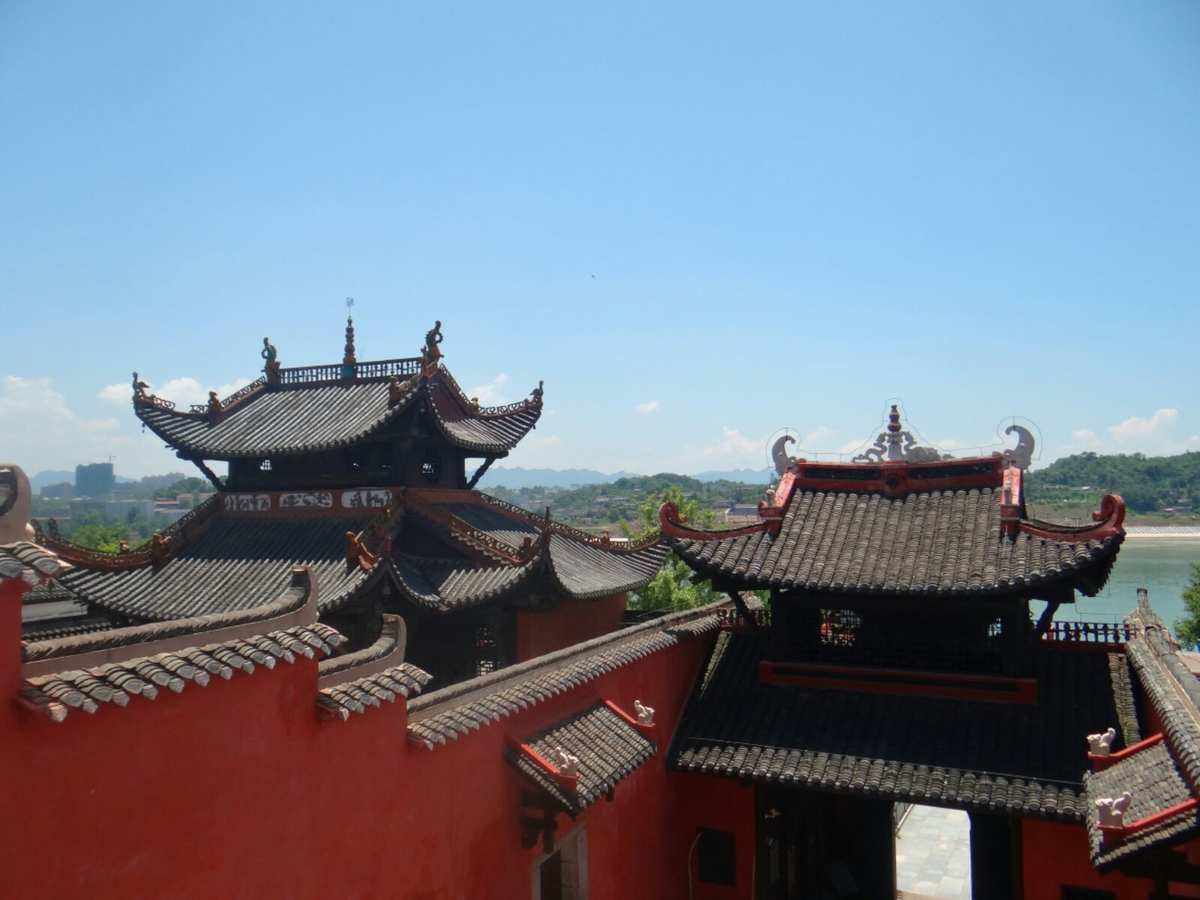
(264, 466)
(839, 627)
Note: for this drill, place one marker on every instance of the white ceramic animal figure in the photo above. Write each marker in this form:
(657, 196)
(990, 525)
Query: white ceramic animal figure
(1112, 812)
(645, 714)
(1101, 744)
(567, 763)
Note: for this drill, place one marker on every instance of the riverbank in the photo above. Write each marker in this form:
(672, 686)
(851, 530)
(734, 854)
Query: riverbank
(1163, 532)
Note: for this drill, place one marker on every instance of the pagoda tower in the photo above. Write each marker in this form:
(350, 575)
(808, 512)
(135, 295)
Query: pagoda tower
(359, 469)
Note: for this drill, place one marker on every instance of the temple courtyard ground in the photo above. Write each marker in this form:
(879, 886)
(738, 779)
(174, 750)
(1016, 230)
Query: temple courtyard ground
(933, 855)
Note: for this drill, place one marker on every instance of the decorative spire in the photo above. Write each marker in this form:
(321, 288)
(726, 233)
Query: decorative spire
(348, 359)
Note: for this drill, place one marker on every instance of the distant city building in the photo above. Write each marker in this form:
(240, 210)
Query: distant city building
(62, 491)
(94, 480)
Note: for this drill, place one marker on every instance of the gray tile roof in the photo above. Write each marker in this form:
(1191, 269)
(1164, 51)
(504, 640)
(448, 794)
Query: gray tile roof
(25, 559)
(1164, 774)
(608, 748)
(579, 565)
(307, 417)
(1016, 758)
(89, 689)
(445, 715)
(234, 564)
(945, 542)
(445, 585)
(357, 695)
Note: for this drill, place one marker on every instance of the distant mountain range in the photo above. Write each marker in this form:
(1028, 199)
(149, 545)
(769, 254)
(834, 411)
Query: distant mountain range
(517, 477)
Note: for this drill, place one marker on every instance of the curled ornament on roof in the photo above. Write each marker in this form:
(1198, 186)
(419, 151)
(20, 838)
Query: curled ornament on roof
(779, 454)
(1020, 456)
(896, 444)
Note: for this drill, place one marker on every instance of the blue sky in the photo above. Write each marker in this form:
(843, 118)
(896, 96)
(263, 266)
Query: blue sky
(699, 223)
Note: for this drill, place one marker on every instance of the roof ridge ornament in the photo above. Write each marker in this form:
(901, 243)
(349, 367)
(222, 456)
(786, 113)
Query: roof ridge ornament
(348, 358)
(270, 364)
(896, 444)
(1020, 456)
(431, 353)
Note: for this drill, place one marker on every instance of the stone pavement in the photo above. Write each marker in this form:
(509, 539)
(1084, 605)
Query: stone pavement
(933, 855)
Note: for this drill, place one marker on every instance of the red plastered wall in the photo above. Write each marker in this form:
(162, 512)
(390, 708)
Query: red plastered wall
(1054, 854)
(567, 622)
(239, 790)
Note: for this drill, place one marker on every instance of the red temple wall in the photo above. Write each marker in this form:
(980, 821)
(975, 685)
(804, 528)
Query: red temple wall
(1056, 854)
(723, 804)
(238, 789)
(565, 623)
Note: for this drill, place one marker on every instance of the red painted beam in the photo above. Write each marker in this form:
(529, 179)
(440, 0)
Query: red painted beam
(906, 682)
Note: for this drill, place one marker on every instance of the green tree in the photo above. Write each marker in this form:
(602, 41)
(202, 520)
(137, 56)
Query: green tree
(104, 536)
(1187, 629)
(675, 586)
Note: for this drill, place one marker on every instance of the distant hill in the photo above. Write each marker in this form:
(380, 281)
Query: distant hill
(743, 476)
(1147, 483)
(518, 477)
(50, 476)
(610, 504)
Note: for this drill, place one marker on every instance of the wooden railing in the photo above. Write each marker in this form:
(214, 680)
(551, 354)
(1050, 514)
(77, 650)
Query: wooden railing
(364, 371)
(1090, 632)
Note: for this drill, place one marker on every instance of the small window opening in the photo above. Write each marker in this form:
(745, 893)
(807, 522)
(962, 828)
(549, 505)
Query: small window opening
(264, 466)
(430, 469)
(839, 627)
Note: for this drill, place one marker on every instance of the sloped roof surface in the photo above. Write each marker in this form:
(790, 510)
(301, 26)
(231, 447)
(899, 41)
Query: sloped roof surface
(447, 585)
(1015, 758)
(235, 564)
(280, 419)
(1165, 774)
(582, 568)
(944, 542)
(607, 746)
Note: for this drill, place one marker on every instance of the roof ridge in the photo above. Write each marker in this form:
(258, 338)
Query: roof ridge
(485, 685)
(297, 605)
(161, 546)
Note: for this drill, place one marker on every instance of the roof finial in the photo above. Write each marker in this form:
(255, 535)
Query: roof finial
(894, 419)
(431, 352)
(348, 359)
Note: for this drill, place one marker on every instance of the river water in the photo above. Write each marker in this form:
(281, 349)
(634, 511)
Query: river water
(1163, 565)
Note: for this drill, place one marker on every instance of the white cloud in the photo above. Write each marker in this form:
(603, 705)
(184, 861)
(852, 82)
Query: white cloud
(1135, 428)
(183, 392)
(42, 431)
(734, 445)
(644, 409)
(819, 438)
(491, 393)
(120, 394)
(1084, 436)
